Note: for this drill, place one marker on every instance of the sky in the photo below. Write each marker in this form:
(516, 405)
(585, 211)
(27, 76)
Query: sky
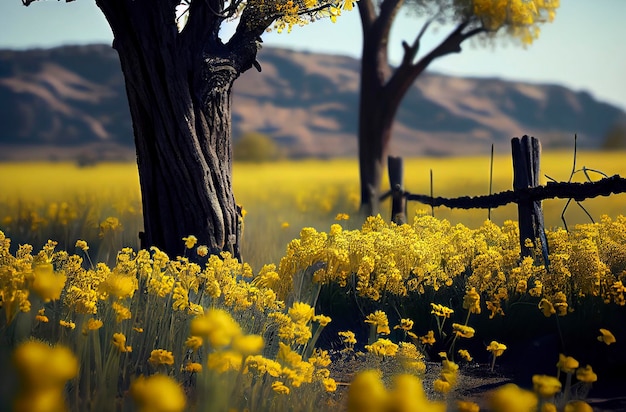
(582, 49)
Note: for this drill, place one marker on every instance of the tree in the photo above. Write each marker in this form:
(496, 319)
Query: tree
(383, 88)
(256, 147)
(178, 74)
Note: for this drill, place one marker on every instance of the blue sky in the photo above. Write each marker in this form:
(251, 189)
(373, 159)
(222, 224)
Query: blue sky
(582, 49)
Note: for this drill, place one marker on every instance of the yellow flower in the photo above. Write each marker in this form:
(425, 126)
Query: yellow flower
(329, 384)
(441, 386)
(606, 336)
(511, 398)
(109, 226)
(496, 348)
(379, 319)
(121, 311)
(193, 367)
(578, 406)
(547, 308)
(161, 357)
(566, 363)
(342, 216)
(429, 338)
(81, 244)
(67, 324)
(217, 326)
(464, 354)
(91, 324)
(41, 317)
(279, 387)
(322, 320)
(546, 386)
(367, 392)
(471, 301)
(382, 347)
(467, 406)
(441, 311)
(224, 361)
(190, 241)
(158, 393)
(248, 344)
(194, 343)
(463, 331)
(42, 372)
(202, 251)
(405, 324)
(586, 374)
(47, 284)
(301, 312)
(348, 337)
(119, 341)
(138, 330)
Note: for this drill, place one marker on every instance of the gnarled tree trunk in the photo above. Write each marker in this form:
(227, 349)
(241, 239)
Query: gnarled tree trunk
(179, 92)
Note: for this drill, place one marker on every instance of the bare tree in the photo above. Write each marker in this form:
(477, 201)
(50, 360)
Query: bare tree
(179, 73)
(383, 88)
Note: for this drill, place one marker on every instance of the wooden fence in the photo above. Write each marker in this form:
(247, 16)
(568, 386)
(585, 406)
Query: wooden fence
(527, 193)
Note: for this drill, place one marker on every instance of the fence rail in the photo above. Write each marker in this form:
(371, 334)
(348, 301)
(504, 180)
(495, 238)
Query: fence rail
(526, 193)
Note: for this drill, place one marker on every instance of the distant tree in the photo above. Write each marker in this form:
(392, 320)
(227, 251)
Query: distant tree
(383, 88)
(179, 73)
(256, 147)
(615, 137)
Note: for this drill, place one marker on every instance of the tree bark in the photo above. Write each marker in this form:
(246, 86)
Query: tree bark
(382, 89)
(179, 93)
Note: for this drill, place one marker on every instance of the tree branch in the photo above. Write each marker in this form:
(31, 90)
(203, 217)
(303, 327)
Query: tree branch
(411, 51)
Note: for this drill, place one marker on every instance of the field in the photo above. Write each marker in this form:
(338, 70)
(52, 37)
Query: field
(327, 313)
(280, 198)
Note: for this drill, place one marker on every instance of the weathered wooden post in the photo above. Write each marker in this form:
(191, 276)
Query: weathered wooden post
(395, 169)
(526, 153)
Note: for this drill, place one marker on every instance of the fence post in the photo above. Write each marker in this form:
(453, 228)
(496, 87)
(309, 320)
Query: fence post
(526, 152)
(395, 169)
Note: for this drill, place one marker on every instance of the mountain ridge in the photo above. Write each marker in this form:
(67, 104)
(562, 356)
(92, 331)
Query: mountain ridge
(73, 97)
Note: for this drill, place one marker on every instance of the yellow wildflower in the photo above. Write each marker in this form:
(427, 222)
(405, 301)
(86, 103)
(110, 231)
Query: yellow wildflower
(41, 317)
(464, 354)
(329, 384)
(81, 244)
(279, 387)
(138, 330)
(382, 347)
(496, 348)
(511, 398)
(405, 324)
(322, 320)
(194, 343)
(193, 367)
(158, 393)
(342, 216)
(586, 374)
(567, 364)
(248, 344)
(47, 284)
(301, 312)
(217, 326)
(467, 406)
(202, 251)
(121, 311)
(42, 372)
(380, 321)
(428, 339)
(606, 336)
(367, 392)
(91, 324)
(190, 241)
(546, 386)
(67, 324)
(223, 361)
(441, 311)
(119, 341)
(471, 301)
(463, 331)
(442, 386)
(578, 406)
(161, 357)
(547, 308)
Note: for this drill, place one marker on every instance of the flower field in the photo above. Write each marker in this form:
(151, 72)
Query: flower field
(327, 312)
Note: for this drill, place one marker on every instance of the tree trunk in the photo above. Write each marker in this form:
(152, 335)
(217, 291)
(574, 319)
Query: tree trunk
(179, 93)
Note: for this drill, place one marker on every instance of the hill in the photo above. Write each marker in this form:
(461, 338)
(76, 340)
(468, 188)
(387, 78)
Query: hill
(71, 101)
